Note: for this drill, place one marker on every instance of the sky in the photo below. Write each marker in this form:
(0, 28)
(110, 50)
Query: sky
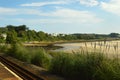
(62, 16)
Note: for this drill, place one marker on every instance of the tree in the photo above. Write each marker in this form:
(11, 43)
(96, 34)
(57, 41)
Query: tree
(11, 27)
(32, 35)
(41, 36)
(114, 35)
(11, 37)
(3, 30)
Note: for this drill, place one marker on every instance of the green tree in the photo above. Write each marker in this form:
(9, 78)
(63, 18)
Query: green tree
(21, 30)
(114, 35)
(41, 36)
(10, 27)
(32, 35)
(11, 37)
(3, 30)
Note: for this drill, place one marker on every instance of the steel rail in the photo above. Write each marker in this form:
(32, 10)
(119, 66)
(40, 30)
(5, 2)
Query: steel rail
(20, 71)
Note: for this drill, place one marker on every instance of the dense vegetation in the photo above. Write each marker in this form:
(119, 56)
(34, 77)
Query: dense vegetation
(83, 65)
(24, 34)
(35, 56)
(92, 66)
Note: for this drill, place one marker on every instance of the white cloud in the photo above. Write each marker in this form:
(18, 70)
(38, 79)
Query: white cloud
(15, 11)
(44, 3)
(67, 16)
(7, 10)
(75, 16)
(113, 6)
(89, 2)
(83, 2)
(61, 15)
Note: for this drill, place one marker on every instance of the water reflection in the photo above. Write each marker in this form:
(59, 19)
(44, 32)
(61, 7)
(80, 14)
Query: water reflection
(68, 46)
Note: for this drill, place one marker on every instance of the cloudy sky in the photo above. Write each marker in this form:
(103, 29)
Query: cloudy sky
(63, 16)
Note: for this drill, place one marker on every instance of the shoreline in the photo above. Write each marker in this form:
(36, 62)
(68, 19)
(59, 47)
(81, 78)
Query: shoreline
(46, 43)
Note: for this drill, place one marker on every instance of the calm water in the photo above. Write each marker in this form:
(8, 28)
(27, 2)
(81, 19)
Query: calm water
(76, 46)
(68, 46)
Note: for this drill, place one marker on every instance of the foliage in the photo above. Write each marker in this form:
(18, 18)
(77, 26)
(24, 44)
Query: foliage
(18, 51)
(92, 66)
(3, 30)
(114, 35)
(11, 37)
(83, 65)
(4, 48)
(42, 36)
(38, 57)
(41, 58)
(24, 34)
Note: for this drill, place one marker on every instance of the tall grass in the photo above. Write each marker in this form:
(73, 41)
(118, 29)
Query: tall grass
(41, 58)
(20, 52)
(4, 48)
(93, 66)
(38, 57)
(88, 65)
(82, 65)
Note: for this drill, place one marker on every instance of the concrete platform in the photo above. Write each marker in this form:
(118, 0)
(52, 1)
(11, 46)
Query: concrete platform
(6, 74)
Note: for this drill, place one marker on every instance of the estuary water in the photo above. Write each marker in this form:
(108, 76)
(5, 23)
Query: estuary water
(108, 46)
(68, 47)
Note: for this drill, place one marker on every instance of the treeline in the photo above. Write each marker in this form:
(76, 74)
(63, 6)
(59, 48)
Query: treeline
(97, 36)
(12, 34)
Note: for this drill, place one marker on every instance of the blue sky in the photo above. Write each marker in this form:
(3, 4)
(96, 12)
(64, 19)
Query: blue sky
(63, 16)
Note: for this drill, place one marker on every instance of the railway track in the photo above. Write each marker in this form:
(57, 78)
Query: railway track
(21, 72)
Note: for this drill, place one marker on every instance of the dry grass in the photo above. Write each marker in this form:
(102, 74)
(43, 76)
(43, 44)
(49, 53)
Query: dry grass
(92, 61)
(110, 48)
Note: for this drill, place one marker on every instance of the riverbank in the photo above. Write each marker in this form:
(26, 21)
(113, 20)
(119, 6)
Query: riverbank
(68, 46)
(107, 47)
(79, 65)
(46, 43)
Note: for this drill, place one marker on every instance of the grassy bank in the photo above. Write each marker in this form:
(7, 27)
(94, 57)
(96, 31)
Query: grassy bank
(92, 66)
(82, 65)
(38, 56)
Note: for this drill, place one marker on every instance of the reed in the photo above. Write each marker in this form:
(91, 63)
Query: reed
(41, 58)
(88, 65)
(95, 63)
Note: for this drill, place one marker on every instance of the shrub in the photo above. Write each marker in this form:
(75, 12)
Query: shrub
(38, 57)
(4, 48)
(82, 65)
(62, 64)
(20, 52)
(41, 58)
(92, 66)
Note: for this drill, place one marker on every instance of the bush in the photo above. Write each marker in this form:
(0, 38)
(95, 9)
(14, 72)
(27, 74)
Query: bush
(20, 52)
(38, 57)
(92, 66)
(41, 58)
(83, 65)
(4, 48)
